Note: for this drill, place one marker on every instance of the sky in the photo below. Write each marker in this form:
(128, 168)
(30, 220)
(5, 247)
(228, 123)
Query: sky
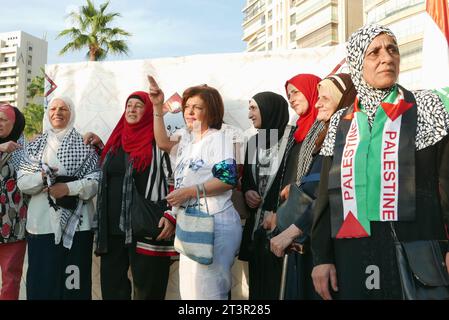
(160, 28)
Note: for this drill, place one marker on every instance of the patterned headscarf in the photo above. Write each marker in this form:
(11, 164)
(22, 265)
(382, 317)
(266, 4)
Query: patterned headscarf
(356, 48)
(433, 115)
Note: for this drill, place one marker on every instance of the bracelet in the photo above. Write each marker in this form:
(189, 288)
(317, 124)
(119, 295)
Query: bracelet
(158, 115)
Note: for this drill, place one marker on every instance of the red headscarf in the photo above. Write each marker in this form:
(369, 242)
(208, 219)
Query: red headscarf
(307, 84)
(135, 139)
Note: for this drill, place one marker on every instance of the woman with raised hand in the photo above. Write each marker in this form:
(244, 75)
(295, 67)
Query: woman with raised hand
(203, 157)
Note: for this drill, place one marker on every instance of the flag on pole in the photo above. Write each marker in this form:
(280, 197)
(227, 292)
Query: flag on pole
(435, 64)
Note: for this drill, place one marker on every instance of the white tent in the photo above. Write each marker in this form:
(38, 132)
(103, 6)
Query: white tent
(99, 89)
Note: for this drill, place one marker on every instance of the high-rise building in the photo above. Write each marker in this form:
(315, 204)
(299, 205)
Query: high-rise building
(290, 24)
(21, 58)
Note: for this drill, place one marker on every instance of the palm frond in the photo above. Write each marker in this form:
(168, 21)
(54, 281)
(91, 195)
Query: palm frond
(91, 29)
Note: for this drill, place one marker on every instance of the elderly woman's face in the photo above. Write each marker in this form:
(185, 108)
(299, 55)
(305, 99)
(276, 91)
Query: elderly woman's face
(254, 114)
(59, 114)
(135, 110)
(326, 104)
(297, 100)
(6, 125)
(381, 64)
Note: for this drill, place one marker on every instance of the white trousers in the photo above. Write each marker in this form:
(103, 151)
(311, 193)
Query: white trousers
(213, 282)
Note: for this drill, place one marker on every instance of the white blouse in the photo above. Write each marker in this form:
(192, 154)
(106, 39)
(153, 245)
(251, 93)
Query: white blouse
(43, 219)
(194, 162)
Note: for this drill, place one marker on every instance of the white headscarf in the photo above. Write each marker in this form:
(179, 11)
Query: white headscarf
(56, 136)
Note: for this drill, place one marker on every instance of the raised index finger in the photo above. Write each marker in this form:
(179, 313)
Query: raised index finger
(153, 83)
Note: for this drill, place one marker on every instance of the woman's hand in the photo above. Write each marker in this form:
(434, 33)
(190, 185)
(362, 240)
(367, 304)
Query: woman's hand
(156, 95)
(323, 274)
(279, 243)
(253, 199)
(285, 193)
(167, 231)
(44, 174)
(59, 190)
(180, 196)
(9, 146)
(269, 220)
(92, 139)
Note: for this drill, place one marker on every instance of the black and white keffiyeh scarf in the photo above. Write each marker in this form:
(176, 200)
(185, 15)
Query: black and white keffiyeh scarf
(78, 159)
(356, 48)
(432, 115)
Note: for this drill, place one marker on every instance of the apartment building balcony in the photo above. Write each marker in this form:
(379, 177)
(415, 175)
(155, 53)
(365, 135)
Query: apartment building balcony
(4, 65)
(8, 50)
(9, 73)
(8, 82)
(8, 90)
(254, 28)
(8, 98)
(252, 11)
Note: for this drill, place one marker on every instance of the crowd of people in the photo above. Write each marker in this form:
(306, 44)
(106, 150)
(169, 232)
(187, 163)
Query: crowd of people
(351, 202)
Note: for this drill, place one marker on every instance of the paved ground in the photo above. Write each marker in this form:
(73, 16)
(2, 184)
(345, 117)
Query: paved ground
(239, 281)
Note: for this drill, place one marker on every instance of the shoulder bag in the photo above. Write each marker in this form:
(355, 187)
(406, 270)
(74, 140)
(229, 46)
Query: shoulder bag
(194, 236)
(422, 269)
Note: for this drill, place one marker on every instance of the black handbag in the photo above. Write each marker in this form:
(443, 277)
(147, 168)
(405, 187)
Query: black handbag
(297, 204)
(145, 215)
(66, 202)
(422, 269)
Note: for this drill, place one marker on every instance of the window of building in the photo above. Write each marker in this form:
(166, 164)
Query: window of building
(270, 15)
(270, 45)
(30, 48)
(293, 35)
(29, 71)
(29, 62)
(262, 19)
(13, 59)
(293, 19)
(389, 8)
(5, 59)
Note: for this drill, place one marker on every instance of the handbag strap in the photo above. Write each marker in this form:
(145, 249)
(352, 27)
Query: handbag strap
(5, 159)
(314, 177)
(393, 232)
(201, 189)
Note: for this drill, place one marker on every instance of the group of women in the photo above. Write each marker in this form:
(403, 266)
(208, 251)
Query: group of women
(370, 156)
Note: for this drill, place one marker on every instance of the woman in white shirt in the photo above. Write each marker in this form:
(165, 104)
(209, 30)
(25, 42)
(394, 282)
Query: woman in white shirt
(60, 213)
(204, 155)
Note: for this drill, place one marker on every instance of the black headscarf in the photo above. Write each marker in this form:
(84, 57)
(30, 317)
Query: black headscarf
(274, 113)
(18, 127)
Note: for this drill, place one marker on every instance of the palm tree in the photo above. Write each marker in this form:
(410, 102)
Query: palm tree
(34, 112)
(36, 86)
(92, 30)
